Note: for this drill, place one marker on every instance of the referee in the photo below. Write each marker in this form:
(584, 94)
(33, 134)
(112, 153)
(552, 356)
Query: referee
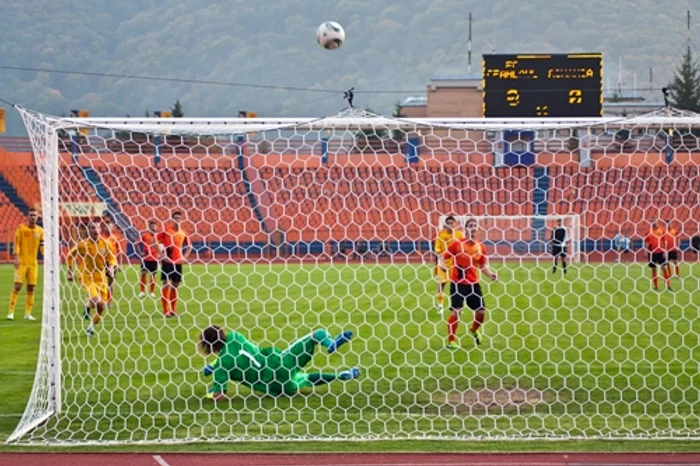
(559, 241)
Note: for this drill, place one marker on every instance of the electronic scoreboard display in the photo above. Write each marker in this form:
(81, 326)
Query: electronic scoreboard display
(555, 85)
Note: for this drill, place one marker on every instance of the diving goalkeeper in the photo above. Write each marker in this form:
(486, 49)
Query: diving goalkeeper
(267, 370)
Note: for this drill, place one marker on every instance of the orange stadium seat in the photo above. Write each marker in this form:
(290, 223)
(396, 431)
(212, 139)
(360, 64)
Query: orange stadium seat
(374, 202)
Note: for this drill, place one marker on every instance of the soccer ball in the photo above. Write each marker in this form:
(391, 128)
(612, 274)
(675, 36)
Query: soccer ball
(330, 35)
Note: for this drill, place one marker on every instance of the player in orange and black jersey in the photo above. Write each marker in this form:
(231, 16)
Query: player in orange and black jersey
(174, 247)
(656, 245)
(469, 256)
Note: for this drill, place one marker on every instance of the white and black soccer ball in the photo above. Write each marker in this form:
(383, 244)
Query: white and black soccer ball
(330, 35)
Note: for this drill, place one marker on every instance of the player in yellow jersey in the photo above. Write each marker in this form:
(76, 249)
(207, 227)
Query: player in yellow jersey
(96, 263)
(109, 232)
(29, 240)
(443, 240)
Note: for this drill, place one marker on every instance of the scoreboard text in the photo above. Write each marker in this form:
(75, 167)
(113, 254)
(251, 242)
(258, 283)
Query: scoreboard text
(557, 85)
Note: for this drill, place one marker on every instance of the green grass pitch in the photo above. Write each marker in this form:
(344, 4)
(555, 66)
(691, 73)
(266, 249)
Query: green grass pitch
(591, 353)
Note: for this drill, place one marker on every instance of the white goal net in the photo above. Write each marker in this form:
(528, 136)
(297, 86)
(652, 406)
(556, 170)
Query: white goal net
(303, 230)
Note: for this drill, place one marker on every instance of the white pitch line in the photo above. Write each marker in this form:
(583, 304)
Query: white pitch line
(160, 460)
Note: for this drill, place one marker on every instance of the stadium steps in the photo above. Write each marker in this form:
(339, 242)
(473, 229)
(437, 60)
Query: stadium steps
(540, 204)
(253, 184)
(120, 219)
(11, 193)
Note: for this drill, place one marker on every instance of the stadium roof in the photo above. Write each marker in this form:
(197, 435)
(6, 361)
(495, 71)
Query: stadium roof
(415, 101)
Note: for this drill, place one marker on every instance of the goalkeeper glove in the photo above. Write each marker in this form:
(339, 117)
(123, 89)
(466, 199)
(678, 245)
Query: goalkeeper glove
(208, 370)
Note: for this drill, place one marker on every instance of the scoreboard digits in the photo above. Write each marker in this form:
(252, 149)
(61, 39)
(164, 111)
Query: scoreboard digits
(557, 85)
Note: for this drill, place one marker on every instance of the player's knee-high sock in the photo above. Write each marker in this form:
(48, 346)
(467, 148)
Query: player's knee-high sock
(13, 300)
(563, 264)
(440, 298)
(165, 299)
(142, 283)
(678, 270)
(320, 378)
(96, 318)
(479, 318)
(667, 276)
(29, 303)
(323, 338)
(173, 299)
(339, 341)
(655, 278)
(153, 285)
(452, 326)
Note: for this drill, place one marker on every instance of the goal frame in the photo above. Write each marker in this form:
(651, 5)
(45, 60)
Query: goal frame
(537, 253)
(46, 393)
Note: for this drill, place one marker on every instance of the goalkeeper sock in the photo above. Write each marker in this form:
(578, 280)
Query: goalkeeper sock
(322, 338)
(320, 378)
(29, 303)
(452, 326)
(13, 300)
(339, 341)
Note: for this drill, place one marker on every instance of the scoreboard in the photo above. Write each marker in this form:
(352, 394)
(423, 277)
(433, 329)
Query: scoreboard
(541, 85)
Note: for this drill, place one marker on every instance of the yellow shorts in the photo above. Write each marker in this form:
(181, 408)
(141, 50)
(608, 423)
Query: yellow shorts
(441, 276)
(28, 273)
(96, 290)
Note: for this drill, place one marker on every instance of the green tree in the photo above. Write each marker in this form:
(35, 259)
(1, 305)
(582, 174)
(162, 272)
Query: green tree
(685, 87)
(176, 110)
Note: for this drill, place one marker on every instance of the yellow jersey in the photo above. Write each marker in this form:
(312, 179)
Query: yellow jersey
(113, 242)
(443, 241)
(28, 242)
(95, 256)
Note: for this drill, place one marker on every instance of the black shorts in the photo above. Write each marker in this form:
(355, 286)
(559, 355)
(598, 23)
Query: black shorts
(149, 266)
(471, 294)
(559, 251)
(673, 256)
(657, 259)
(171, 272)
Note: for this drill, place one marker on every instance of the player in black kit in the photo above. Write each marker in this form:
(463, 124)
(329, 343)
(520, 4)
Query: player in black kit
(559, 241)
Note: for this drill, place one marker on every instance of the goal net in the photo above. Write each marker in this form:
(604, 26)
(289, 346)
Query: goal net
(303, 225)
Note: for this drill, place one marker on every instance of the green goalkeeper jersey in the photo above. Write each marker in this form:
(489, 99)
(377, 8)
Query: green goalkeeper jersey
(265, 370)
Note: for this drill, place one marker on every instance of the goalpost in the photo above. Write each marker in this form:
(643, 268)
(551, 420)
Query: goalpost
(306, 224)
